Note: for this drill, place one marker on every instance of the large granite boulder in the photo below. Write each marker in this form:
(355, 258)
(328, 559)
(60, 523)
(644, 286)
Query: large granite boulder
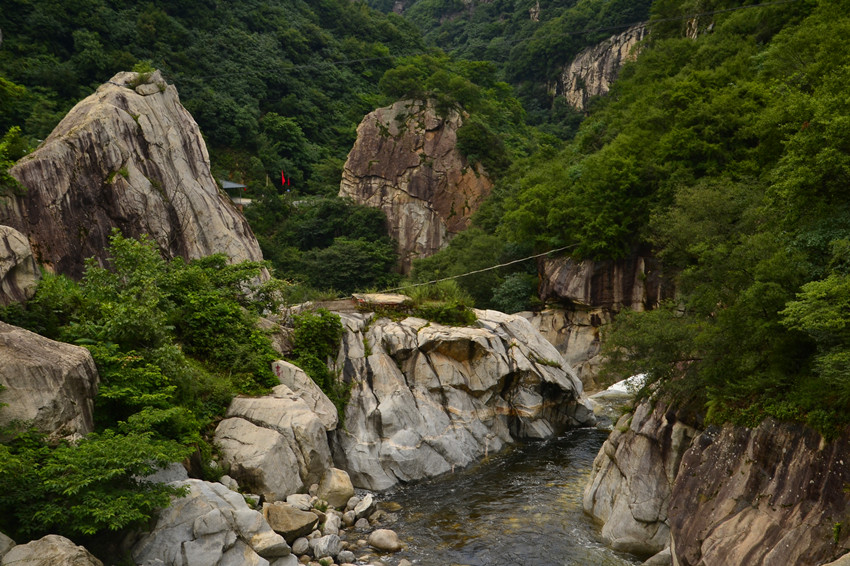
(275, 445)
(633, 478)
(213, 526)
(593, 70)
(6, 545)
(19, 274)
(428, 398)
(406, 162)
(52, 550)
(50, 384)
(302, 385)
(128, 156)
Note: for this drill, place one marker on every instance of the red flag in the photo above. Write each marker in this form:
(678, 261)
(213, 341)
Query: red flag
(282, 178)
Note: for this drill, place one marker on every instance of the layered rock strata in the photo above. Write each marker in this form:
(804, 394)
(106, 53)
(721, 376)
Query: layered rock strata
(767, 496)
(131, 157)
(426, 398)
(19, 274)
(46, 383)
(593, 70)
(406, 162)
(585, 295)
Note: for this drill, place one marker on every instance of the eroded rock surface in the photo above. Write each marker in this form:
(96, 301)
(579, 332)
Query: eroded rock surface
(275, 445)
(128, 156)
(593, 70)
(406, 162)
(585, 295)
(426, 398)
(769, 496)
(52, 550)
(213, 526)
(48, 383)
(19, 274)
(632, 479)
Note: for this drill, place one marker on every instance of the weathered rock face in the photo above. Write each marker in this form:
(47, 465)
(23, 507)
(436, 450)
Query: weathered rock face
(275, 445)
(635, 282)
(6, 545)
(590, 293)
(52, 550)
(213, 526)
(131, 158)
(575, 333)
(767, 496)
(19, 272)
(406, 162)
(306, 389)
(49, 383)
(426, 398)
(595, 68)
(633, 478)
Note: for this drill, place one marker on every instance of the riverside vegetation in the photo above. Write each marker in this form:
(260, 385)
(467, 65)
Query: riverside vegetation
(726, 153)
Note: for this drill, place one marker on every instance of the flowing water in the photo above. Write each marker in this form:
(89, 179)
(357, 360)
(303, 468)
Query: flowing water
(521, 507)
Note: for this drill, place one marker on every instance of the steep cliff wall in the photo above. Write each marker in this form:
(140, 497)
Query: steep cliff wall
(768, 496)
(595, 68)
(406, 162)
(584, 296)
(128, 156)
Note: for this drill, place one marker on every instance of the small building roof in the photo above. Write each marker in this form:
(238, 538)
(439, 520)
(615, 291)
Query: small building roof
(230, 185)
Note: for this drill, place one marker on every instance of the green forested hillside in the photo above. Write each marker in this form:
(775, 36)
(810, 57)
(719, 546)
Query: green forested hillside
(726, 154)
(729, 155)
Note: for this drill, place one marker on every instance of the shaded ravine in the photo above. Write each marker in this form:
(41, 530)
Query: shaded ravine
(521, 507)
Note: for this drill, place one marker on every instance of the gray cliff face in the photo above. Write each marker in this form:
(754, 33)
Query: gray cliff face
(633, 477)
(426, 398)
(595, 68)
(766, 496)
(128, 156)
(588, 294)
(406, 162)
(19, 274)
(48, 383)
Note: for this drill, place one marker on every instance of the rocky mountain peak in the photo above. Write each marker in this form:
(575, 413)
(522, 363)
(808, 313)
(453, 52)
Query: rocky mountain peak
(595, 68)
(129, 156)
(406, 162)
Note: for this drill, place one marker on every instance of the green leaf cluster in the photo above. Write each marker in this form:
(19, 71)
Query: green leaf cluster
(325, 243)
(315, 343)
(173, 343)
(85, 489)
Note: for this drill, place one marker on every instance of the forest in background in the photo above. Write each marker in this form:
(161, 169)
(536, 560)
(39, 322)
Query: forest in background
(726, 154)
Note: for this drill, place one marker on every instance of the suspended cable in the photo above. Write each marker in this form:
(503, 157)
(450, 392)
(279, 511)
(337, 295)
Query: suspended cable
(478, 270)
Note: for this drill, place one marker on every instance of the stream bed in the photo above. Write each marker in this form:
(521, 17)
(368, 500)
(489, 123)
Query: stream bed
(521, 507)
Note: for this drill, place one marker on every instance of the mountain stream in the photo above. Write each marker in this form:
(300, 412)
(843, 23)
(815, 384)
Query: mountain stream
(521, 507)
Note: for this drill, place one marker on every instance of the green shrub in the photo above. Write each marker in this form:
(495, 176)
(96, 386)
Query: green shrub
(82, 490)
(315, 341)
